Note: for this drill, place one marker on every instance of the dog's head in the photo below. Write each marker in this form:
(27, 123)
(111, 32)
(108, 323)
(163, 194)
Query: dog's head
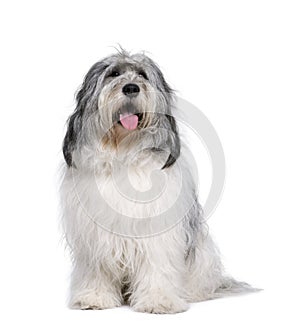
(124, 99)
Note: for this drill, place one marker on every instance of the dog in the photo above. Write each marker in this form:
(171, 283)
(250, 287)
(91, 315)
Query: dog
(131, 217)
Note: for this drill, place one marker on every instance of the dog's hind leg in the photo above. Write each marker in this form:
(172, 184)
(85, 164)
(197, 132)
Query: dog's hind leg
(207, 278)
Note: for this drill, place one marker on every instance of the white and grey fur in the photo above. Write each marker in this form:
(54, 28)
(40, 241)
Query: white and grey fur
(158, 273)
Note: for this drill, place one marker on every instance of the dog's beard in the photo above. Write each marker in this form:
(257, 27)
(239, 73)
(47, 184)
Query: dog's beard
(124, 118)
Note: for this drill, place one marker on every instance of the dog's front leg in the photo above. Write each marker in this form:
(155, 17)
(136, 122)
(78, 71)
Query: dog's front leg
(157, 285)
(92, 288)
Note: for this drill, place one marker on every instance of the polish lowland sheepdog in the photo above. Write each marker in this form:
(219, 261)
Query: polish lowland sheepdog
(131, 217)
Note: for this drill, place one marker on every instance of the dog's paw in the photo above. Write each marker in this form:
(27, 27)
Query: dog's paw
(160, 303)
(94, 301)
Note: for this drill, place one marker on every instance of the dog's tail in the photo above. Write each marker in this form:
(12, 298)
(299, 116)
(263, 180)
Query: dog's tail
(231, 287)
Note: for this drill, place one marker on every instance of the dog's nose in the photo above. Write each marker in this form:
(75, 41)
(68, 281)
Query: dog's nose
(131, 90)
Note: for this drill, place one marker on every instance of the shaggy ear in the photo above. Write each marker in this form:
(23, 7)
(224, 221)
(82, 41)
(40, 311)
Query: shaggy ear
(84, 103)
(74, 128)
(174, 143)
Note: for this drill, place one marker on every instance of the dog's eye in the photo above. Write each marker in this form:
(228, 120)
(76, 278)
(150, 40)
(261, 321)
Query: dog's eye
(143, 74)
(114, 73)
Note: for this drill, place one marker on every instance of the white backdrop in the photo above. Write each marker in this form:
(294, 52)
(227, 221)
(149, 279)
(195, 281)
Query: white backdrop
(238, 61)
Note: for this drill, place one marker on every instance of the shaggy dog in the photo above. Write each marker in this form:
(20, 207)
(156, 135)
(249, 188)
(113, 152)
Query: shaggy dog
(130, 212)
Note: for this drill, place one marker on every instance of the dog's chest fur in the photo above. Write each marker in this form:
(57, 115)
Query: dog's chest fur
(119, 200)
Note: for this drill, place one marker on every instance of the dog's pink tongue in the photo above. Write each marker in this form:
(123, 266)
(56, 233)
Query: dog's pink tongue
(129, 121)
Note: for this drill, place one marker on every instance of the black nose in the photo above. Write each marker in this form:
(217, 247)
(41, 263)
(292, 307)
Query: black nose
(131, 90)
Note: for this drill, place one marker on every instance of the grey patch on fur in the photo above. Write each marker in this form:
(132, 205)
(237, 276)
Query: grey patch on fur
(192, 225)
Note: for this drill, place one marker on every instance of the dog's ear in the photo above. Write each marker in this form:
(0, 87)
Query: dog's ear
(85, 105)
(70, 140)
(174, 143)
(174, 140)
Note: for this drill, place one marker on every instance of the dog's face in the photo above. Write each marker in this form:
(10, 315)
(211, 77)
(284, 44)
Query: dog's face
(123, 97)
(132, 90)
